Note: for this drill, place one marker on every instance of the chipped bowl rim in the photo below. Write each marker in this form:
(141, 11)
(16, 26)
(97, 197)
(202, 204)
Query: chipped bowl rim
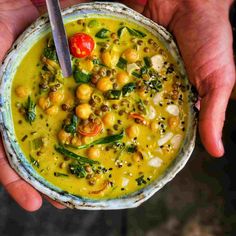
(14, 153)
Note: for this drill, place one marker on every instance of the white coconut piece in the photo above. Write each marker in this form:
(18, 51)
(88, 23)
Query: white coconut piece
(157, 62)
(165, 138)
(176, 141)
(173, 109)
(132, 67)
(155, 162)
(157, 98)
(125, 182)
(151, 112)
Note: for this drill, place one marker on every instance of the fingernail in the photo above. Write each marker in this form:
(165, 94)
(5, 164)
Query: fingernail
(221, 148)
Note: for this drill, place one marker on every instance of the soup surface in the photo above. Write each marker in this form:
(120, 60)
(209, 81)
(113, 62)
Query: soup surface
(116, 124)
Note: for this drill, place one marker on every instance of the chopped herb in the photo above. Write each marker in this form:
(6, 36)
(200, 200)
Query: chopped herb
(34, 162)
(37, 143)
(50, 53)
(102, 34)
(113, 94)
(144, 70)
(128, 88)
(97, 62)
(75, 156)
(132, 148)
(120, 30)
(147, 61)
(122, 63)
(136, 33)
(71, 128)
(140, 180)
(58, 174)
(136, 74)
(81, 77)
(78, 170)
(105, 140)
(93, 23)
(30, 114)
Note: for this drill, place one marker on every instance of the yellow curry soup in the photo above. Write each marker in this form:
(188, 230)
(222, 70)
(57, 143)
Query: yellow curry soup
(116, 124)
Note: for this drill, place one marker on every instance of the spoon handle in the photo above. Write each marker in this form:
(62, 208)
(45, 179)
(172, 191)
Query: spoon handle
(59, 36)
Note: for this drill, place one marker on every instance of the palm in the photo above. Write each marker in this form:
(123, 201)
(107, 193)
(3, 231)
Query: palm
(203, 33)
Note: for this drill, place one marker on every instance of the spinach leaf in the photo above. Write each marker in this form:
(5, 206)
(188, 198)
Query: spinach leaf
(30, 114)
(113, 94)
(50, 53)
(136, 74)
(71, 128)
(93, 23)
(37, 143)
(120, 30)
(132, 148)
(136, 33)
(147, 61)
(128, 88)
(105, 140)
(122, 63)
(68, 153)
(102, 34)
(81, 77)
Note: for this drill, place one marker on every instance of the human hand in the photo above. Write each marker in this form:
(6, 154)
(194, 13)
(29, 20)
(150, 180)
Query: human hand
(204, 36)
(15, 16)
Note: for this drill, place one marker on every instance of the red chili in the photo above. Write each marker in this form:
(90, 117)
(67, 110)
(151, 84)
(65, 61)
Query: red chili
(91, 129)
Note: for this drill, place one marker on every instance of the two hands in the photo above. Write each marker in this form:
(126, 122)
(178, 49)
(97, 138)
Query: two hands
(203, 33)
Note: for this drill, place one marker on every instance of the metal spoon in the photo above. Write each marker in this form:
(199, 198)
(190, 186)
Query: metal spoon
(59, 36)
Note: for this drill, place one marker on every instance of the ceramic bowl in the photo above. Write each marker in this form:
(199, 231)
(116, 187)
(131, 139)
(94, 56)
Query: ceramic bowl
(14, 153)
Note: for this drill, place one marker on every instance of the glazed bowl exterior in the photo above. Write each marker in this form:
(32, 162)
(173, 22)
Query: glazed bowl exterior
(14, 153)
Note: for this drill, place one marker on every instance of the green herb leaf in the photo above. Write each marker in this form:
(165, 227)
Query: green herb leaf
(128, 88)
(105, 140)
(147, 61)
(122, 63)
(113, 94)
(78, 170)
(136, 74)
(155, 84)
(132, 148)
(102, 34)
(120, 30)
(81, 77)
(71, 128)
(30, 114)
(68, 153)
(136, 33)
(97, 62)
(34, 162)
(140, 180)
(38, 143)
(93, 23)
(50, 53)
(58, 174)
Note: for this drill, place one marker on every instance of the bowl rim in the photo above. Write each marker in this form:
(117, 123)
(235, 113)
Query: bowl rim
(16, 157)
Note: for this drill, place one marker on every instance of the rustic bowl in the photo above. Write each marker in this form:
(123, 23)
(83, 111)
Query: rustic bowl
(14, 153)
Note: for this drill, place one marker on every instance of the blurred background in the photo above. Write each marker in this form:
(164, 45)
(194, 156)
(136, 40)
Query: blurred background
(200, 201)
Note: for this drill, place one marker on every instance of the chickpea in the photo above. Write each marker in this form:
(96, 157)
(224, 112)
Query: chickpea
(173, 122)
(83, 111)
(76, 141)
(106, 58)
(84, 92)
(131, 55)
(132, 131)
(86, 65)
(22, 92)
(56, 97)
(44, 103)
(109, 119)
(104, 84)
(154, 126)
(93, 153)
(53, 110)
(64, 137)
(122, 78)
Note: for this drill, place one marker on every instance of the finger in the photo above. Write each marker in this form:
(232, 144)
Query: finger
(212, 115)
(54, 203)
(25, 195)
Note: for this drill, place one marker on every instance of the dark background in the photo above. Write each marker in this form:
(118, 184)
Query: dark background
(200, 201)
